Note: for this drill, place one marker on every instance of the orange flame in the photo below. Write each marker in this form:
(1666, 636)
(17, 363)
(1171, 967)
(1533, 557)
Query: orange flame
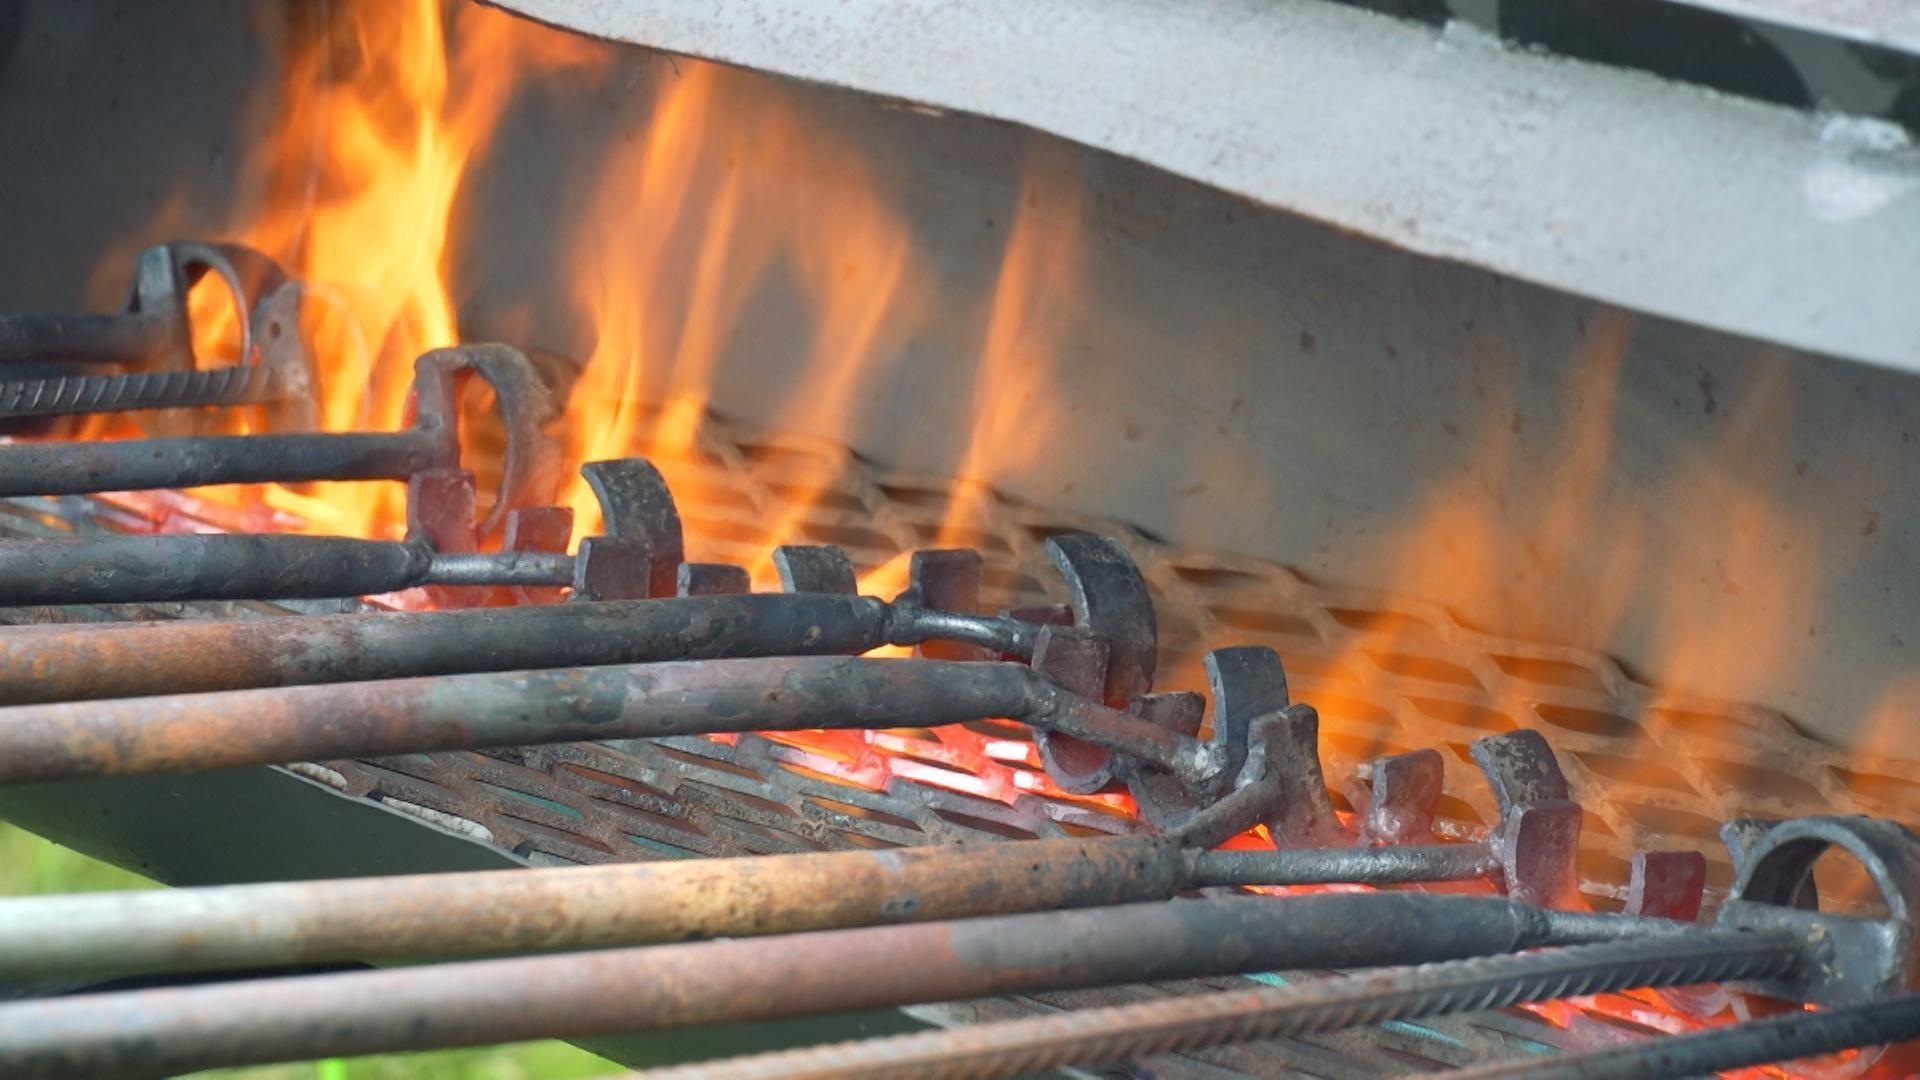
(381, 111)
(710, 176)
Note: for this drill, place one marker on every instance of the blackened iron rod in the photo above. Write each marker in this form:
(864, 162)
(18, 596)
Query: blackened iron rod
(441, 915)
(66, 468)
(668, 986)
(190, 732)
(1759, 1042)
(131, 338)
(113, 660)
(108, 660)
(240, 566)
(1090, 1037)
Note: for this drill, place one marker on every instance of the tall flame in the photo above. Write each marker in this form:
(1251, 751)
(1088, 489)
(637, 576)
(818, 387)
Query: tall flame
(711, 175)
(383, 108)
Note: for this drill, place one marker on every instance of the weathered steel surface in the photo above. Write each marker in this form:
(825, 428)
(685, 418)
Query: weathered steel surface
(1330, 866)
(127, 660)
(1129, 1032)
(523, 402)
(65, 663)
(218, 566)
(437, 915)
(182, 1029)
(306, 723)
(242, 566)
(63, 395)
(57, 468)
(274, 366)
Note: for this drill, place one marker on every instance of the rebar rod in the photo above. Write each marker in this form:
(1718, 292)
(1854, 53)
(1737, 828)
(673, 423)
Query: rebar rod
(667, 986)
(1100, 1036)
(1758, 1042)
(190, 732)
(111, 660)
(63, 395)
(231, 927)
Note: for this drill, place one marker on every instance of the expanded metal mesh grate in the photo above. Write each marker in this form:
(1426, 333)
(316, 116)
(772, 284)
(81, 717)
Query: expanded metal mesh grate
(1387, 674)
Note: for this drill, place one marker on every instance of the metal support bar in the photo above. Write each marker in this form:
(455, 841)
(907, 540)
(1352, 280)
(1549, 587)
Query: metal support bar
(314, 723)
(1100, 1036)
(571, 995)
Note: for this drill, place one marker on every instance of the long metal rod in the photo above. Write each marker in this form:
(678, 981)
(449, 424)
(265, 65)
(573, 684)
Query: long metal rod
(190, 732)
(666, 986)
(1392, 865)
(1123, 1033)
(422, 916)
(1760, 1042)
(130, 338)
(65, 468)
(110, 660)
(441, 915)
(116, 660)
(237, 566)
(66, 395)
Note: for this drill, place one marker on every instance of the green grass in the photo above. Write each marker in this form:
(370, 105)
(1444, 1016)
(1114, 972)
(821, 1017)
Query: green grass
(30, 865)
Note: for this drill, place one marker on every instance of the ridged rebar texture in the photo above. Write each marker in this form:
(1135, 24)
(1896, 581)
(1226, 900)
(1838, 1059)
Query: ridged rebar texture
(1097, 1036)
(1762, 1042)
(69, 394)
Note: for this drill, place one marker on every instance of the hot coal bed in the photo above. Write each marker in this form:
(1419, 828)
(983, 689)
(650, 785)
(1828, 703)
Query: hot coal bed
(924, 778)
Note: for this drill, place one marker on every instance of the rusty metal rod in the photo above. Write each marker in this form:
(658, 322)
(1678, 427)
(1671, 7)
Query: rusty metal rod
(130, 338)
(372, 719)
(1390, 865)
(65, 468)
(423, 916)
(666, 986)
(239, 566)
(442, 915)
(522, 402)
(1088, 1037)
(110, 660)
(235, 566)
